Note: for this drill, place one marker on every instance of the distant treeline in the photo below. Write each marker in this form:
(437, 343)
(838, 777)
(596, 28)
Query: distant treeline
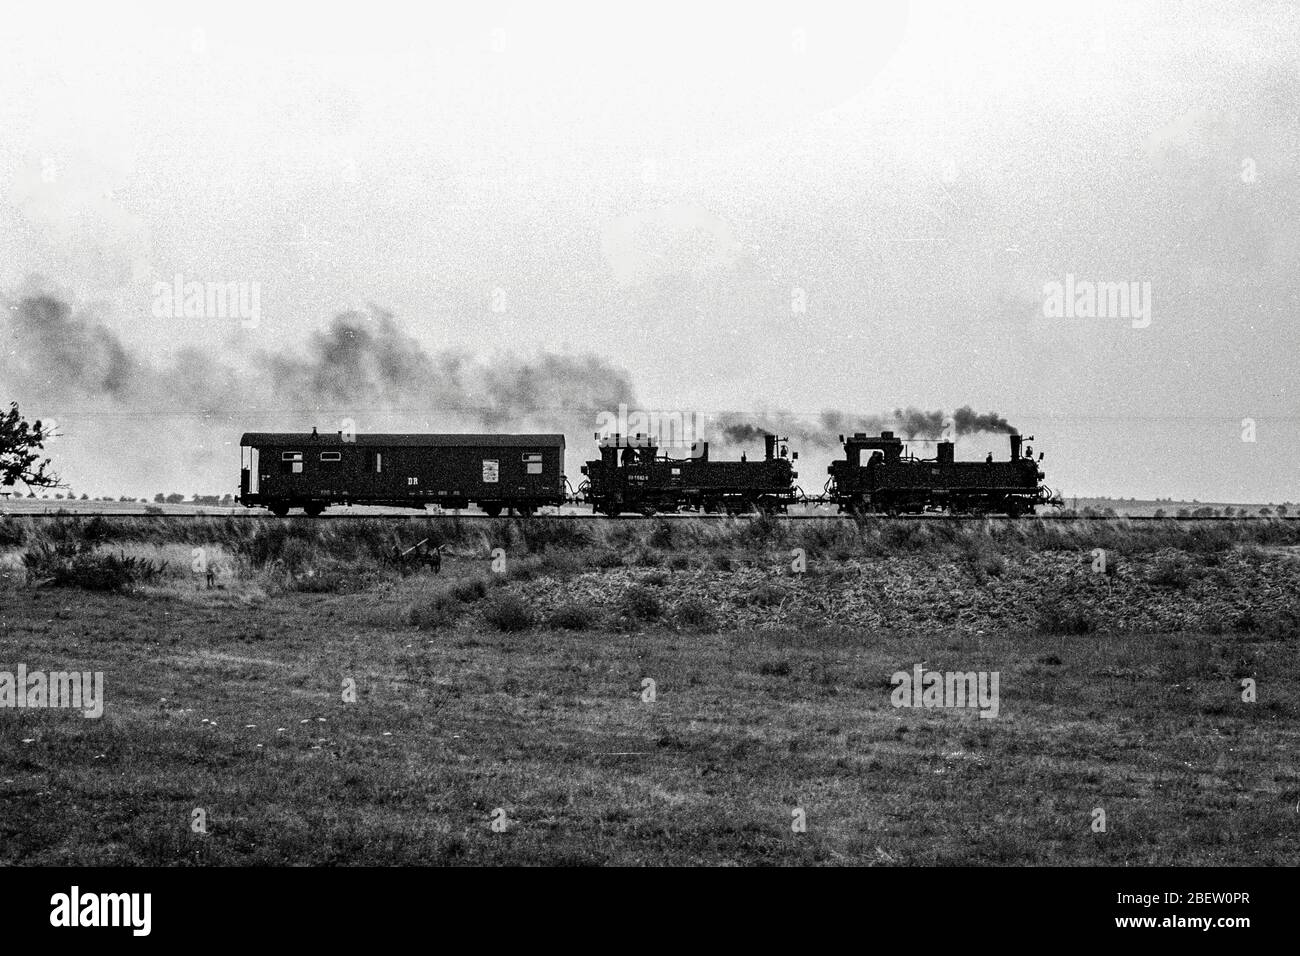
(1280, 511)
(174, 498)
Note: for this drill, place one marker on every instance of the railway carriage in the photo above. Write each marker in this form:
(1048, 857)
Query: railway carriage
(512, 473)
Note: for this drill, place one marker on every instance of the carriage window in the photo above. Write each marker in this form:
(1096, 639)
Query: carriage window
(379, 462)
(290, 462)
(533, 463)
(331, 456)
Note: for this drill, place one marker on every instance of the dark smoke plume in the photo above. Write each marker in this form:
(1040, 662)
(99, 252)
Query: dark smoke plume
(824, 430)
(184, 416)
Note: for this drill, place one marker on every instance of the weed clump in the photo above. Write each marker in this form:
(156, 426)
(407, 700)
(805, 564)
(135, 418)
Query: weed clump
(509, 612)
(640, 603)
(1172, 571)
(67, 565)
(572, 617)
(695, 614)
(1066, 619)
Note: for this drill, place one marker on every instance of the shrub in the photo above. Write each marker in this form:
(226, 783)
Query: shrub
(1066, 619)
(544, 534)
(67, 565)
(722, 562)
(469, 590)
(11, 533)
(640, 603)
(774, 668)
(441, 610)
(96, 529)
(1277, 625)
(679, 562)
(572, 617)
(767, 594)
(607, 559)
(1174, 571)
(694, 614)
(648, 557)
(292, 543)
(509, 612)
(323, 582)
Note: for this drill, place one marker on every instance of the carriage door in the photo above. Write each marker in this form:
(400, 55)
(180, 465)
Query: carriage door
(253, 469)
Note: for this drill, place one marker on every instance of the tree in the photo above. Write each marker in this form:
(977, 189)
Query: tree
(20, 448)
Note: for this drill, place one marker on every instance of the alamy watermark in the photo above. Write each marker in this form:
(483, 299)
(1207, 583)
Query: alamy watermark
(179, 299)
(69, 690)
(665, 429)
(1085, 299)
(922, 688)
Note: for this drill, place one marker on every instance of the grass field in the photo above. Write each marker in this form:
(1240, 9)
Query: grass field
(519, 694)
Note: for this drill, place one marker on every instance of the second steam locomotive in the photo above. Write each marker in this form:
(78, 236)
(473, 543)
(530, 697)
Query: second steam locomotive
(519, 474)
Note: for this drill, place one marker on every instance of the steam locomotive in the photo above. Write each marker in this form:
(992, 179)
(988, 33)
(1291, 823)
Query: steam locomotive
(519, 474)
(631, 476)
(891, 482)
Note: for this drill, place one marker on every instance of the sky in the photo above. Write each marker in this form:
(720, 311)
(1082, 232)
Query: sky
(758, 209)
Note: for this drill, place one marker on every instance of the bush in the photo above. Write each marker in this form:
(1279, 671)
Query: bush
(441, 610)
(323, 582)
(1276, 625)
(640, 603)
(648, 558)
(767, 594)
(1174, 571)
(509, 612)
(543, 534)
(694, 614)
(70, 566)
(774, 668)
(1066, 619)
(292, 543)
(572, 617)
(11, 533)
(469, 590)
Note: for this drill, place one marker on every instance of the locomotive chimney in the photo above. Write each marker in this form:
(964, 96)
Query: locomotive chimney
(1015, 447)
(769, 446)
(945, 453)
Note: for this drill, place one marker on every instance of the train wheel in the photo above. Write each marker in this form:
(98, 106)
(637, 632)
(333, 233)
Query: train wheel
(492, 510)
(279, 508)
(314, 509)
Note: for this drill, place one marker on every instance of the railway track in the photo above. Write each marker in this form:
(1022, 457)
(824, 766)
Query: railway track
(259, 515)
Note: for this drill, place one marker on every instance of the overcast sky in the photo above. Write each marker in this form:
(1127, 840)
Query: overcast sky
(788, 207)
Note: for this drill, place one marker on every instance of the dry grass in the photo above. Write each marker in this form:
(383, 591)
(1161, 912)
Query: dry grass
(230, 698)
